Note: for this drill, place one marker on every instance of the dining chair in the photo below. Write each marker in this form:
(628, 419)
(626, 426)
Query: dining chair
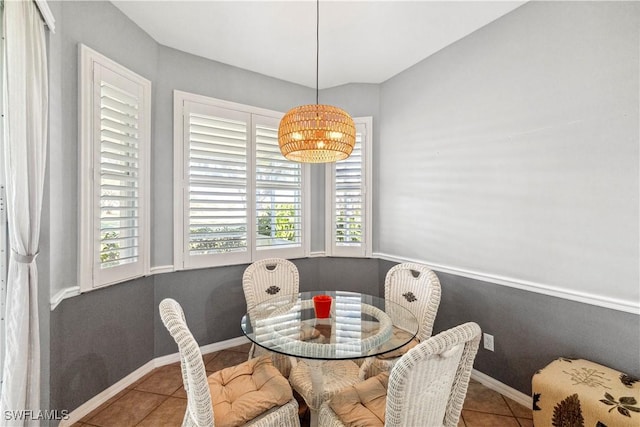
(416, 288)
(251, 393)
(335, 375)
(426, 387)
(266, 279)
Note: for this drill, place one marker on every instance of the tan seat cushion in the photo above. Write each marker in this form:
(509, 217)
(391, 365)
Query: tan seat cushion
(308, 333)
(243, 392)
(399, 336)
(362, 404)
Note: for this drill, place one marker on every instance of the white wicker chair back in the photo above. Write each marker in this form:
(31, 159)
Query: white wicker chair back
(265, 279)
(269, 277)
(199, 409)
(416, 288)
(427, 386)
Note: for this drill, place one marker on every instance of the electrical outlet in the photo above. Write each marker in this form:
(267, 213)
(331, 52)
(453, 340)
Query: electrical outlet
(488, 341)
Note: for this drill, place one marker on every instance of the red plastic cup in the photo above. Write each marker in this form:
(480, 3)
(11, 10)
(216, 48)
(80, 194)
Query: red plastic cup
(322, 306)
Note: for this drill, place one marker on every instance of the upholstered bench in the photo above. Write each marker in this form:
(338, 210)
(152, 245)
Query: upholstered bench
(577, 392)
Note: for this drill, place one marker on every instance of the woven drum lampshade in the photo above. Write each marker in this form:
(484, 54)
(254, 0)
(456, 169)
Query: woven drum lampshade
(316, 133)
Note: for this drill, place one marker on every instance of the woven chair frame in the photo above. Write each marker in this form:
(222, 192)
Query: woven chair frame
(265, 279)
(400, 285)
(421, 368)
(336, 375)
(420, 295)
(199, 411)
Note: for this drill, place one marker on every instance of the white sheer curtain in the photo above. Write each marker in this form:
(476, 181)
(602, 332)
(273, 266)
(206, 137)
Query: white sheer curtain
(25, 142)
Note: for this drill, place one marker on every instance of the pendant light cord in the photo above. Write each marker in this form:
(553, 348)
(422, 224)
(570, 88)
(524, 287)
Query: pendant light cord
(317, 46)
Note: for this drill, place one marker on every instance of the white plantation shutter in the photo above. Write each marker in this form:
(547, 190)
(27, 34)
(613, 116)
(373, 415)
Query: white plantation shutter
(216, 220)
(237, 198)
(115, 148)
(119, 177)
(278, 193)
(349, 203)
(349, 198)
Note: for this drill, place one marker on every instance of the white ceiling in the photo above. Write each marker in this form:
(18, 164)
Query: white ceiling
(360, 41)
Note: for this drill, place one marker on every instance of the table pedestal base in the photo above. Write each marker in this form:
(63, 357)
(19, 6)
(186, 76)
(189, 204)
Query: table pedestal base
(319, 380)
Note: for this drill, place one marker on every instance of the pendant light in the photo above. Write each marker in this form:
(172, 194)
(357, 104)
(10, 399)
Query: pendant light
(316, 133)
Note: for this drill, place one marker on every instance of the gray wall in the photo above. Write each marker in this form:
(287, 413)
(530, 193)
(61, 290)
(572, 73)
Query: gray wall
(360, 100)
(214, 302)
(189, 73)
(78, 345)
(518, 146)
(92, 364)
(531, 329)
(102, 27)
(100, 337)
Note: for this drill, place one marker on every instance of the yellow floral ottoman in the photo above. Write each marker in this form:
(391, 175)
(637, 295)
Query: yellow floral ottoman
(577, 393)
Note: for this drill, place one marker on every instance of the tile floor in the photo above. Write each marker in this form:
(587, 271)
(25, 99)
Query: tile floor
(158, 399)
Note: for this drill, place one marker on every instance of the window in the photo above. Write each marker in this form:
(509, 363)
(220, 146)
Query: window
(114, 172)
(279, 195)
(348, 201)
(237, 199)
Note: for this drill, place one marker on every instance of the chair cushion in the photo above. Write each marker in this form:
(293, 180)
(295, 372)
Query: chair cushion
(399, 336)
(243, 392)
(308, 333)
(362, 404)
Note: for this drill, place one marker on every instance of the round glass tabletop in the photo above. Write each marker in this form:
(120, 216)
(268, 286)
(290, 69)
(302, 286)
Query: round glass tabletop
(332, 326)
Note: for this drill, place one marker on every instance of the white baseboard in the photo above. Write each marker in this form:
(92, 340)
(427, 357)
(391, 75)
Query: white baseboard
(502, 388)
(83, 410)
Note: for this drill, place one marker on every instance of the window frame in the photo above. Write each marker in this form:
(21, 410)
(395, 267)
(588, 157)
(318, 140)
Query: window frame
(305, 244)
(364, 125)
(182, 102)
(89, 169)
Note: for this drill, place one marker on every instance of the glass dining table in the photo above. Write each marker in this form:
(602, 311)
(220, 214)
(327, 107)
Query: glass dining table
(358, 326)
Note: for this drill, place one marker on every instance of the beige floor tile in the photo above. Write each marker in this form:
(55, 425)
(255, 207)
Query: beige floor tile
(129, 410)
(102, 407)
(518, 410)
(159, 400)
(482, 399)
(164, 380)
(181, 393)
(481, 419)
(169, 413)
(144, 378)
(525, 422)
(244, 348)
(207, 357)
(225, 359)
